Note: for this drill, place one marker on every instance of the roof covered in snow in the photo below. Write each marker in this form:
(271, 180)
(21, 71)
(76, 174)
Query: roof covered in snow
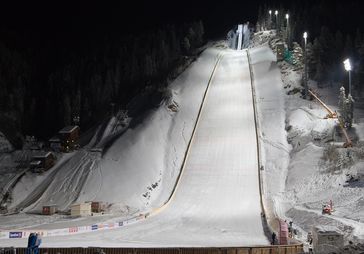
(42, 155)
(327, 229)
(35, 163)
(69, 129)
(54, 139)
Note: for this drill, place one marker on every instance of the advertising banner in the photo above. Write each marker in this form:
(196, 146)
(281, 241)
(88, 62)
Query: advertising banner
(73, 230)
(15, 234)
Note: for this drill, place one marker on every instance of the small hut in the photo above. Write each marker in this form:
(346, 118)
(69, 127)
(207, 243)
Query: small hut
(327, 239)
(81, 209)
(49, 209)
(69, 137)
(97, 206)
(42, 162)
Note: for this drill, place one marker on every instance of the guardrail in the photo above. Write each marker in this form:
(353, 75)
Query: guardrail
(71, 230)
(278, 249)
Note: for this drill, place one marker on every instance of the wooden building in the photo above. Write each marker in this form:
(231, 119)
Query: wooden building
(81, 209)
(98, 207)
(55, 144)
(42, 162)
(49, 209)
(69, 137)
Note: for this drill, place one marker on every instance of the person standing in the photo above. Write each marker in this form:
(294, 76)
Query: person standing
(31, 243)
(310, 247)
(273, 238)
(37, 244)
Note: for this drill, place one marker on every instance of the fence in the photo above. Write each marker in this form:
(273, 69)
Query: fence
(277, 249)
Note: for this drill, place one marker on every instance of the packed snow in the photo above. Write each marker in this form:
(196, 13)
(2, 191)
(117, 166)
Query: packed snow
(135, 168)
(217, 200)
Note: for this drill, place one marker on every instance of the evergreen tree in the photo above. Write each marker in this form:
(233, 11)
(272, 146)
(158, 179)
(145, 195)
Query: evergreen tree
(192, 37)
(327, 54)
(339, 44)
(199, 30)
(319, 76)
(349, 106)
(67, 111)
(358, 40)
(186, 45)
(149, 66)
(316, 66)
(342, 98)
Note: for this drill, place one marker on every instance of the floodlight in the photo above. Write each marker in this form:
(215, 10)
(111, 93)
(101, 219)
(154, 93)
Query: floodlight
(347, 65)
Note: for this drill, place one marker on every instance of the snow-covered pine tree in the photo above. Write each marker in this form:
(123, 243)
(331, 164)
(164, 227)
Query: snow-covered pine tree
(342, 99)
(297, 56)
(349, 106)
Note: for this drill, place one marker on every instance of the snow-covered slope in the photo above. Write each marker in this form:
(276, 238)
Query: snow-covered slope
(139, 170)
(270, 99)
(216, 202)
(130, 175)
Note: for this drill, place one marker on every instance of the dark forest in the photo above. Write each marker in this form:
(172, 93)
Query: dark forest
(79, 65)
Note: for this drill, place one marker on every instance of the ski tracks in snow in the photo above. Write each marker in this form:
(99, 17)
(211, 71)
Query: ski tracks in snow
(63, 186)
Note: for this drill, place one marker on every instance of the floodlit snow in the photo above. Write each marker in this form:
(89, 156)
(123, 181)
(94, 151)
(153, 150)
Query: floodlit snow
(217, 201)
(137, 164)
(272, 134)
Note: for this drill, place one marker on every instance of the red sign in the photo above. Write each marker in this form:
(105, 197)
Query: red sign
(73, 230)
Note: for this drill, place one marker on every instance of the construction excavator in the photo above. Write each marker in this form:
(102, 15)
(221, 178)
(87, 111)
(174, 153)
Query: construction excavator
(332, 114)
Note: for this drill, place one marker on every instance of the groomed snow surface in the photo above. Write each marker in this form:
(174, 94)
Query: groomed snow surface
(216, 201)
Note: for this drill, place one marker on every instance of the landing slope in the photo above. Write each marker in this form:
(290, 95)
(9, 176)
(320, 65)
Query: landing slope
(217, 200)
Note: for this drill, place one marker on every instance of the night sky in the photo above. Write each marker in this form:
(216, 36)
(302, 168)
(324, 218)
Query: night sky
(47, 18)
(84, 18)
